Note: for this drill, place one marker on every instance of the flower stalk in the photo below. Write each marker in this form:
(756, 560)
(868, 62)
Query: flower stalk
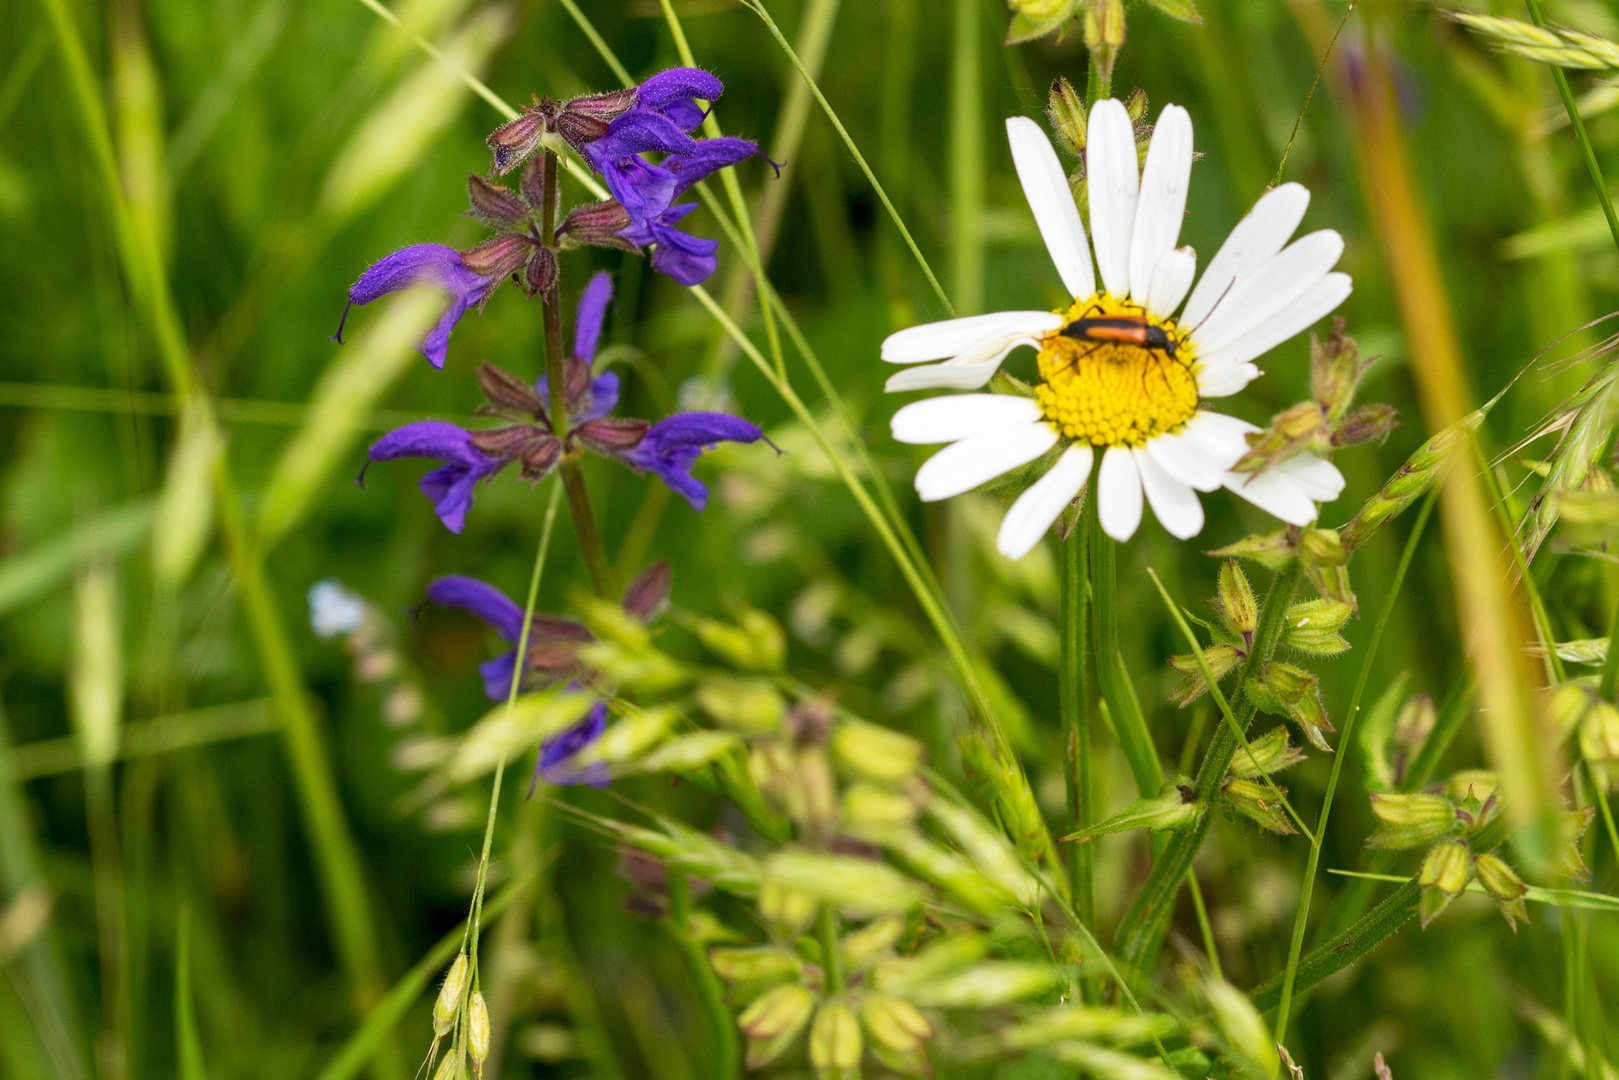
(1073, 694)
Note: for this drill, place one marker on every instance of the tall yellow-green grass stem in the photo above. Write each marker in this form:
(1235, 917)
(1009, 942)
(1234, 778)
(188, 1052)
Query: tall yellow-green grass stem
(1492, 615)
(1129, 725)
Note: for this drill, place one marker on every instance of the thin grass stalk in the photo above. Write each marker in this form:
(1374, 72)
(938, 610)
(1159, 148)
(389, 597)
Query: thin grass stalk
(187, 1042)
(1593, 169)
(1301, 915)
(1204, 927)
(1141, 930)
(1495, 626)
(112, 928)
(758, 8)
(1129, 724)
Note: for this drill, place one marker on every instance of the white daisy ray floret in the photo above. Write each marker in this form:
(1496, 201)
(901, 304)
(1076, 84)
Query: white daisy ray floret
(1120, 372)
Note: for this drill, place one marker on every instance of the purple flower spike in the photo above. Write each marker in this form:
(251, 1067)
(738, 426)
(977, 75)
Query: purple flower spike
(679, 255)
(587, 327)
(672, 447)
(418, 264)
(555, 753)
(449, 486)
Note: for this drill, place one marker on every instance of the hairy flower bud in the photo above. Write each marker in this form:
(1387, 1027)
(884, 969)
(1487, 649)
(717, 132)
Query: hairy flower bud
(494, 205)
(862, 948)
(1290, 691)
(1175, 807)
(834, 1041)
(1408, 821)
(1065, 110)
(1222, 660)
(1270, 754)
(1234, 600)
(499, 256)
(1445, 871)
(1270, 550)
(1503, 883)
(1312, 627)
(1258, 804)
(599, 224)
(540, 273)
(448, 1005)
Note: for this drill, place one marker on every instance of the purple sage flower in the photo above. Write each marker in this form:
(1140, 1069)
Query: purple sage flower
(418, 264)
(672, 447)
(553, 642)
(555, 765)
(679, 255)
(448, 487)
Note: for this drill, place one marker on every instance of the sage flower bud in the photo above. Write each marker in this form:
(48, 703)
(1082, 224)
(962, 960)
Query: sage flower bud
(1289, 691)
(773, 1021)
(1444, 874)
(1408, 821)
(1239, 611)
(1065, 109)
(1271, 754)
(477, 1031)
(1222, 660)
(834, 1042)
(893, 1023)
(1312, 627)
(1258, 804)
(1503, 883)
(448, 1005)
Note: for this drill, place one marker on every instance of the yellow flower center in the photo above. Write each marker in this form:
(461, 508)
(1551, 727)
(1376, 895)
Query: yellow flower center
(1102, 388)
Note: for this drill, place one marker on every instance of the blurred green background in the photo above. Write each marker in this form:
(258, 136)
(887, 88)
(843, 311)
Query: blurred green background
(276, 149)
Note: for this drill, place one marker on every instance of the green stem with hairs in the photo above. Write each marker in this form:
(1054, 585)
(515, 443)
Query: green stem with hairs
(1112, 677)
(1073, 692)
(1141, 930)
(1301, 915)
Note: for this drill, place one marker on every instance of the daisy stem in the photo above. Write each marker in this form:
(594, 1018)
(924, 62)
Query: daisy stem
(1130, 726)
(573, 474)
(1301, 916)
(1073, 693)
(1141, 930)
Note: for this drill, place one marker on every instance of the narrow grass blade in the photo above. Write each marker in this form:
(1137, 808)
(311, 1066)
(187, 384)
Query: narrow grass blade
(142, 738)
(34, 573)
(187, 1042)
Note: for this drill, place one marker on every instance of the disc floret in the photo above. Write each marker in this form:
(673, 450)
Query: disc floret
(1111, 393)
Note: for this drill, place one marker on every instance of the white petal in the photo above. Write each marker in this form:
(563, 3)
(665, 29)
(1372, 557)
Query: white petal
(1316, 477)
(1164, 179)
(1222, 379)
(1029, 518)
(1275, 493)
(1173, 503)
(1222, 439)
(1170, 280)
(1270, 288)
(964, 465)
(1189, 462)
(1113, 183)
(969, 371)
(1303, 313)
(936, 341)
(1045, 185)
(1256, 238)
(961, 416)
(1118, 493)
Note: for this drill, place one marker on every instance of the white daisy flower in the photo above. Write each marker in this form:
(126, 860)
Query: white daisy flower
(1121, 374)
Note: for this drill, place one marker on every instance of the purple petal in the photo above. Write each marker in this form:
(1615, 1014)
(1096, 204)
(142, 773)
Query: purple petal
(587, 326)
(642, 189)
(642, 132)
(429, 263)
(552, 765)
(677, 84)
(602, 400)
(481, 599)
(497, 675)
(449, 487)
(687, 259)
(710, 156)
(672, 446)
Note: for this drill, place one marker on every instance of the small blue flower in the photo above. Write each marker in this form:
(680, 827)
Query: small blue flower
(334, 609)
(424, 264)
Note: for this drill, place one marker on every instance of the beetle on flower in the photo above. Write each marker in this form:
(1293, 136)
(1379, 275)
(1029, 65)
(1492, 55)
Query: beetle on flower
(1121, 375)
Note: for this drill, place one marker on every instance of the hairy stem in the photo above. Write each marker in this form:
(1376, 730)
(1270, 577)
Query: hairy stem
(1141, 931)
